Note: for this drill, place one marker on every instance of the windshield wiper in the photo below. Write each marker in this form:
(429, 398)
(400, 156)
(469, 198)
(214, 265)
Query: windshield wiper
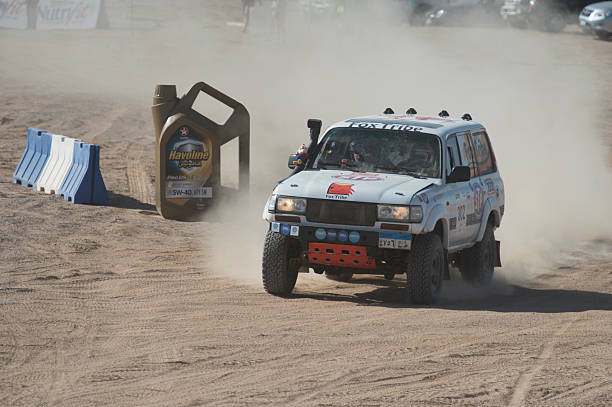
(400, 169)
(324, 164)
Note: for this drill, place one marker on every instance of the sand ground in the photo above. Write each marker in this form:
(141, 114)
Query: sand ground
(117, 306)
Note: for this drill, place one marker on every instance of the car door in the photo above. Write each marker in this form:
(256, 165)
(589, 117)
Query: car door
(491, 186)
(456, 195)
(472, 191)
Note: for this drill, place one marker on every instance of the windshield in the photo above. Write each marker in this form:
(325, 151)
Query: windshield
(378, 150)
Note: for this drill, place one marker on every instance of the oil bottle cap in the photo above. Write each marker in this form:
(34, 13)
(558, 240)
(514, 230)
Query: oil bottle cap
(165, 92)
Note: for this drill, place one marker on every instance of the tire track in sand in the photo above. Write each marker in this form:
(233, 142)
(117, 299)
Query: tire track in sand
(358, 376)
(523, 384)
(139, 185)
(8, 344)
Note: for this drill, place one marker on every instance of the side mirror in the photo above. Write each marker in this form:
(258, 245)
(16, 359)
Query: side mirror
(294, 161)
(460, 173)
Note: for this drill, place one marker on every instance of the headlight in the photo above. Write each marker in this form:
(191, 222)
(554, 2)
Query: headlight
(412, 214)
(439, 13)
(292, 205)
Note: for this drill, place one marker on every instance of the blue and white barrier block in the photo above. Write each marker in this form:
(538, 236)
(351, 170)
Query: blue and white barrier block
(34, 158)
(62, 165)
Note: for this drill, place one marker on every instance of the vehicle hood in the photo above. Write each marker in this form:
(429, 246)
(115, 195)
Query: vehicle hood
(353, 186)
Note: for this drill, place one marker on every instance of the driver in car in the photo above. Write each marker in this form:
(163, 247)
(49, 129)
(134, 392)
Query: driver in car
(422, 159)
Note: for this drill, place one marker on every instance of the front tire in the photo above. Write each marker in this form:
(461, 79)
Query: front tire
(478, 262)
(278, 272)
(425, 266)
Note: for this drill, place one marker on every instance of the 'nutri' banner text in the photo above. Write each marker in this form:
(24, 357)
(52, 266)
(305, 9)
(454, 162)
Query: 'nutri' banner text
(67, 14)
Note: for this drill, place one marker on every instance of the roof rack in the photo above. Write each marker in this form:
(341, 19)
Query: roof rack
(389, 111)
(443, 113)
(412, 110)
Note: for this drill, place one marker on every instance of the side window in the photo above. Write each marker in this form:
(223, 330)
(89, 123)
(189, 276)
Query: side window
(453, 159)
(467, 158)
(484, 159)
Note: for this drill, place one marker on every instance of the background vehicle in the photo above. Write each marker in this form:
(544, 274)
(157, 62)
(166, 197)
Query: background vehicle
(466, 13)
(416, 11)
(321, 8)
(549, 15)
(597, 18)
(388, 194)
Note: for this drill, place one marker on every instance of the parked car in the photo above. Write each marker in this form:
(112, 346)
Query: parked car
(549, 15)
(466, 13)
(597, 18)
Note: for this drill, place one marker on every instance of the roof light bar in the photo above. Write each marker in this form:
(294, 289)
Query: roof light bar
(389, 111)
(467, 117)
(443, 113)
(412, 110)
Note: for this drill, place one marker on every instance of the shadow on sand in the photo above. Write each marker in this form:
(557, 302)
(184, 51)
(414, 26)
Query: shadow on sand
(460, 296)
(127, 202)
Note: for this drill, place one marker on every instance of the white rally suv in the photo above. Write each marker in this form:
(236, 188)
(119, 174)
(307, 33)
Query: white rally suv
(387, 194)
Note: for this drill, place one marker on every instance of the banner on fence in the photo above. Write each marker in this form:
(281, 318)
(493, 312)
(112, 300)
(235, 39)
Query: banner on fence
(67, 14)
(14, 14)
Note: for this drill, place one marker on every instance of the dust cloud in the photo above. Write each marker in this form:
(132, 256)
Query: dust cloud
(537, 101)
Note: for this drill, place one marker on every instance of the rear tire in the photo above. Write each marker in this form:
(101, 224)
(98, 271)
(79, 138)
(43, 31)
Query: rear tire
(556, 21)
(478, 262)
(425, 266)
(279, 274)
(603, 35)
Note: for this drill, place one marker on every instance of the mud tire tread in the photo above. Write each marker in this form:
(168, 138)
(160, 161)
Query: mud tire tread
(472, 266)
(276, 276)
(418, 269)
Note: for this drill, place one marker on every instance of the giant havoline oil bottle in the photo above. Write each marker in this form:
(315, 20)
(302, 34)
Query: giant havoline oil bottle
(187, 151)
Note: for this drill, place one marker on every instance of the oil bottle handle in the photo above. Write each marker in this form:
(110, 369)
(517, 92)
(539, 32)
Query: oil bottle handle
(190, 97)
(236, 126)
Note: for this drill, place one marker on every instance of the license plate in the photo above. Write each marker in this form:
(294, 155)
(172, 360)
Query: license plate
(394, 240)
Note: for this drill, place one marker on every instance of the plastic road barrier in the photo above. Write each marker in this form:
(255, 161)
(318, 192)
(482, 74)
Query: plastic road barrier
(61, 165)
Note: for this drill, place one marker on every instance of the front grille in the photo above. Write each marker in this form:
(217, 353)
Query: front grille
(586, 12)
(342, 213)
